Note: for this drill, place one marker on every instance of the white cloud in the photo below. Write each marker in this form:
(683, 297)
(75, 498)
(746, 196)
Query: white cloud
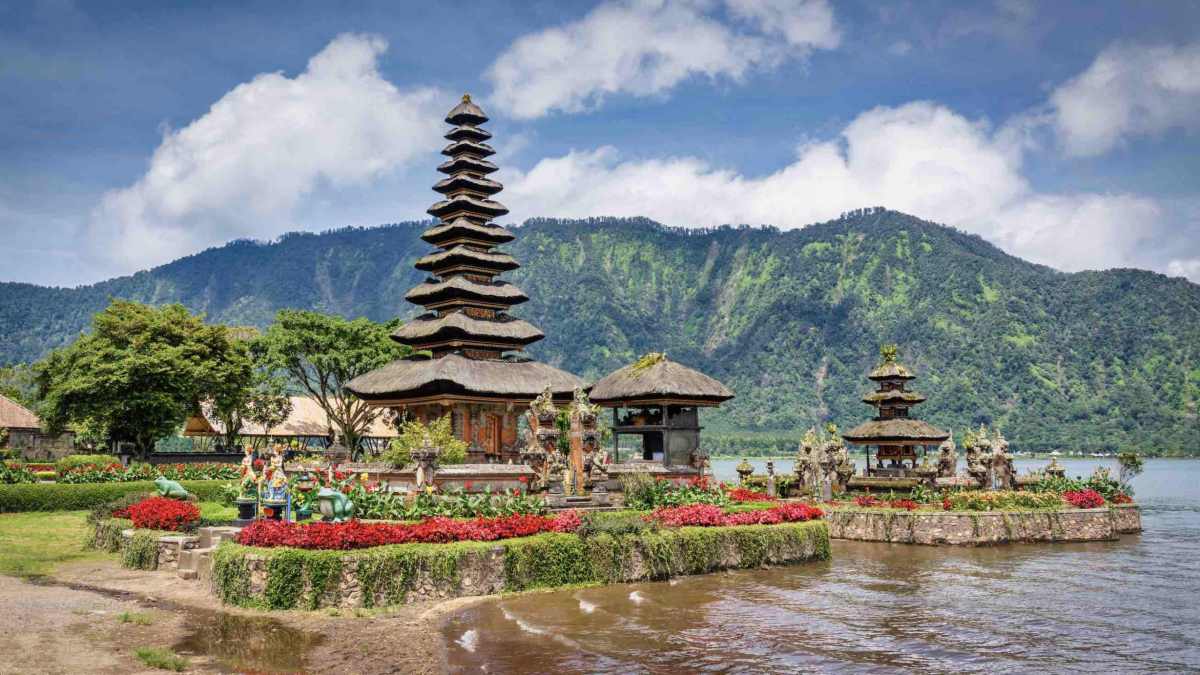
(921, 158)
(243, 167)
(1188, 268)
(1129, 90)
(646, 47)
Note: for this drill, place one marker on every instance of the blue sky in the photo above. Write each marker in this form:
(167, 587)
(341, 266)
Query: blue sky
(134, 133)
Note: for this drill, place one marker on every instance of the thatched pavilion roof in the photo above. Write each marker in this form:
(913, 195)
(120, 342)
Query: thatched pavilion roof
(454, 374)
(655, 378)
(306, 419)
(894, 396)
(896, 431)
(13, 415)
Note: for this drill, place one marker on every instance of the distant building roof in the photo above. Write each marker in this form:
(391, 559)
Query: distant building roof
(13, 415)
(307, 419)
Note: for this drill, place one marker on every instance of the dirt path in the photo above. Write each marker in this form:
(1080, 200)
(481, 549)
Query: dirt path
(70, 624)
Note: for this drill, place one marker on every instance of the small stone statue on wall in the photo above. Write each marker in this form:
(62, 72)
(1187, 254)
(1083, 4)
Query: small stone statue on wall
(947, 458)
(1002, 463)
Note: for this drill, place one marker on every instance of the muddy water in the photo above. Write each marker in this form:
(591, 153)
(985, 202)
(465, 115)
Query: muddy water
(1127, 606)
(246, 643)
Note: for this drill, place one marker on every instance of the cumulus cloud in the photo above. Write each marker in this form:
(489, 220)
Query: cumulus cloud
(646, 47)
(243, 167)
(921, 158)
(1188, 268)
(1128, 91)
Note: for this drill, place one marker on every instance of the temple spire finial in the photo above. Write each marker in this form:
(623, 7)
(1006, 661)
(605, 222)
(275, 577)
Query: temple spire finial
(466, 98)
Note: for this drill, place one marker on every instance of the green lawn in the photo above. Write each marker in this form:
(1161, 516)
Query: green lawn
(217, 511)
(33, 543)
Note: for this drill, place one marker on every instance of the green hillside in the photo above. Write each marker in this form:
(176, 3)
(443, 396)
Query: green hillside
(792, 320)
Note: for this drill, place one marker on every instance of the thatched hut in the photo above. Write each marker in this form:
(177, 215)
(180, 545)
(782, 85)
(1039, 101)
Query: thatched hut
(655, 404)
(21, 430)
(307, 424)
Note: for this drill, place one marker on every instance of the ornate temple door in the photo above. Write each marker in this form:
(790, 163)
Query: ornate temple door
(491, 434)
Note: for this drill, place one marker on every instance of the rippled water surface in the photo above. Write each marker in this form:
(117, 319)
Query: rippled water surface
(1127, 606)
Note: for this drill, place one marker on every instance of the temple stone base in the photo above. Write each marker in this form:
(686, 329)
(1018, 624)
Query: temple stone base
(959, 528)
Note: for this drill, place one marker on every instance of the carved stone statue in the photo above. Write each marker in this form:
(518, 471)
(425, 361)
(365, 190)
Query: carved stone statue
(1002, 463)
(807, 468)
(977, 464)
(947, 458)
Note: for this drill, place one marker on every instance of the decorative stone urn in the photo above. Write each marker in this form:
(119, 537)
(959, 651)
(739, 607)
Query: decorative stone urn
(744, 471)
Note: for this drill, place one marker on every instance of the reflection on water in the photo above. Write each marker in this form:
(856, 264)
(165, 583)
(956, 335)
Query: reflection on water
(240, 643)
(1126, 606)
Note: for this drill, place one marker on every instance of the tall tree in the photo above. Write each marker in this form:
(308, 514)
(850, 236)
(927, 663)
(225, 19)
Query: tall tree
(321, 353)
(140, 372)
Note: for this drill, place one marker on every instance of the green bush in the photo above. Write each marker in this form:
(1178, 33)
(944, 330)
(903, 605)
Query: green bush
(642, 491)
(972, 500)
(71, 461)
(58, 497)
(615, 523)
(451, 449)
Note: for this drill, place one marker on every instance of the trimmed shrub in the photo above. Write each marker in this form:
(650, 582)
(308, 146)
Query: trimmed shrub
(58, 497)
(71, 461)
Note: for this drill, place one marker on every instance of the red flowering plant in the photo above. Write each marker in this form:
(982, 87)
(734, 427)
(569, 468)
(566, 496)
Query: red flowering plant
(709, 515)
(741, 494)
(868, 501)
(357, 534)
(161, 513)
(1084, 499)
(906, 504)
(1122, 498)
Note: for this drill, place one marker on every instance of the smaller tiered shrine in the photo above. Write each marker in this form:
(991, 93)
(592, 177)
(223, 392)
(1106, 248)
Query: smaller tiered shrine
(893, 433)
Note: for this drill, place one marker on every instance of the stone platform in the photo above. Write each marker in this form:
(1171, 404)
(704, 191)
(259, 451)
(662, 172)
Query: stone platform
(983, 528)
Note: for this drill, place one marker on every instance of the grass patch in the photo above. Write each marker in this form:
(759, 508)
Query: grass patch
(217, 512)
(33, 543)
(135, 618)
(163, 659)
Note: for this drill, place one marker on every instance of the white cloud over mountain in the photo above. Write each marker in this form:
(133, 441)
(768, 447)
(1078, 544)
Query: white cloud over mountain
(1128, 91)
(243, 167)
(646, 47)
(921, 158)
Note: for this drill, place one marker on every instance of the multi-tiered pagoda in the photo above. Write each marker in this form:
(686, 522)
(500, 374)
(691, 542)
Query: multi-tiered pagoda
(466, 328)
(894, 434)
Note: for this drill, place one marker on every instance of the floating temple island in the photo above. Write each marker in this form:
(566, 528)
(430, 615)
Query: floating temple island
(639, 508)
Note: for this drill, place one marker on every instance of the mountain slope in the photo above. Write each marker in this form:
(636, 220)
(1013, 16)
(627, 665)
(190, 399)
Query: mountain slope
(791, 320)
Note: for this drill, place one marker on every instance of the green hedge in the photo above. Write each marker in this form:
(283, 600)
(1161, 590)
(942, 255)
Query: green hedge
(386, 574)
(76, 497)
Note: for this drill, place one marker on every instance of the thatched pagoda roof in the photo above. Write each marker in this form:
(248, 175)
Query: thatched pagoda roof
(894, 396)
(469, 132)
(891, 370)
(896, 431)
(461, 204)
(461, 255)
(458, 326)
(462, 228)
(467, 163)
(655, 378)
(13, 415)
(467, 183)
(466, 112)
(468, 147)
(454, 374)
(461, 288)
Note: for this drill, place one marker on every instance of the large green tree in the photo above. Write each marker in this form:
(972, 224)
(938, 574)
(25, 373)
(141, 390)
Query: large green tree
(141, 372)
(320, 353)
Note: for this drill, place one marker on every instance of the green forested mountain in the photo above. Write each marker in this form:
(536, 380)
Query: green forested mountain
(792, 321)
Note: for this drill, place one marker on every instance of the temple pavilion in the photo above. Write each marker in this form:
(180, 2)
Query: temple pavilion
(893, 432)
(655, 404)
(472, 371)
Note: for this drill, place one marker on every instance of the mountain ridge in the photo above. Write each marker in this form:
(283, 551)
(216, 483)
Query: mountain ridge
(791, 320)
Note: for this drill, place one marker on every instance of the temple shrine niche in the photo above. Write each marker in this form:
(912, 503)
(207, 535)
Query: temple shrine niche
(656, 404)
(893, 433)
(472, 372)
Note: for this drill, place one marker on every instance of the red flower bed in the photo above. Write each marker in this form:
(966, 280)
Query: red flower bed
(867, 500)
(1084, 499)
(708, 515)
(1122, 498)
(357, 534)
(906, 504)
(161, 513)
(741, 494)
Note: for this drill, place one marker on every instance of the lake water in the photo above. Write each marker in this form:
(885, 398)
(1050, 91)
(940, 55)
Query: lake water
(1126, 606)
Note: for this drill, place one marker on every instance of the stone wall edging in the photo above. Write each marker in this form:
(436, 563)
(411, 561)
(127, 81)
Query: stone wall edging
(984, 528)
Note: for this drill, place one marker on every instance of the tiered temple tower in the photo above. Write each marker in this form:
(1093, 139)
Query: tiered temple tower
(466, 327)
(895, 435)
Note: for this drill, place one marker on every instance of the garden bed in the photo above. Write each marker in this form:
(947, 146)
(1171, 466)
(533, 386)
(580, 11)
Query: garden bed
(285, 578)
(981, 528)
(68, 497)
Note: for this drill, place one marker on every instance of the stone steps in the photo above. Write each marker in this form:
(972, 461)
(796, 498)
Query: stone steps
(193, 554)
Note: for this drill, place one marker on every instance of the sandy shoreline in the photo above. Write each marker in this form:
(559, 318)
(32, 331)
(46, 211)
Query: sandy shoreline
(70, 622)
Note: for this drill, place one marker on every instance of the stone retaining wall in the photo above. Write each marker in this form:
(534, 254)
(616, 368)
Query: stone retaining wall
(958, 528)
(398, 574)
